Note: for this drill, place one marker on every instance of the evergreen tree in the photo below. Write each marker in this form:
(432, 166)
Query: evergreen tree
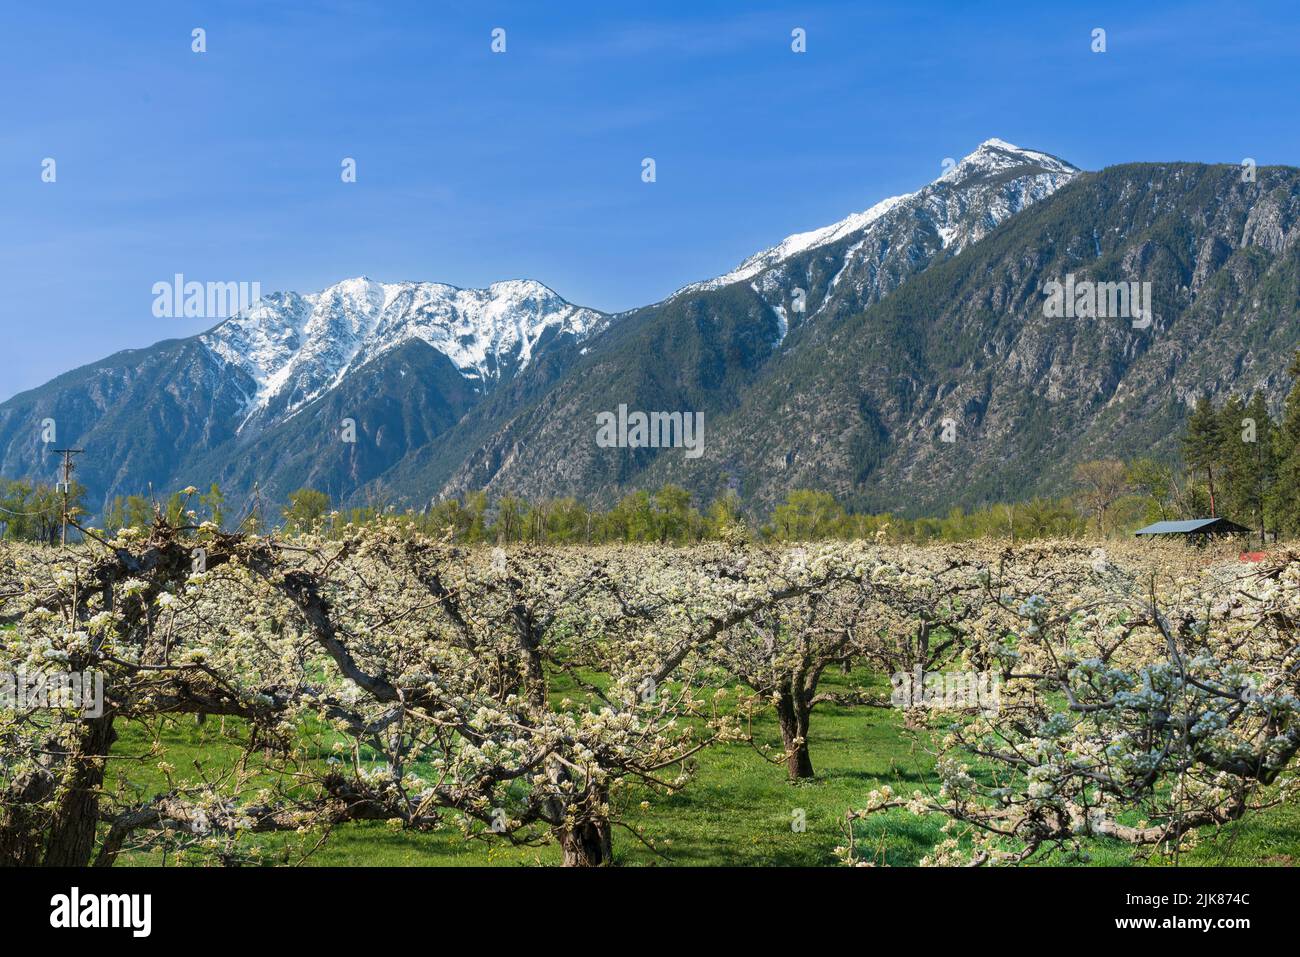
(1201, 443)
(1286, 490)
(1234, 459)
(1256, 438)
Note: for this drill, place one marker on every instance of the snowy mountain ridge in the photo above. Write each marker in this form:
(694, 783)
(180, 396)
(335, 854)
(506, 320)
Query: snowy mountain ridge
(296, 347)
(990, 161)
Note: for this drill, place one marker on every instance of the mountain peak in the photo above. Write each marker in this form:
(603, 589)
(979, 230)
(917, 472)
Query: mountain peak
(362, 292)
(998, 156)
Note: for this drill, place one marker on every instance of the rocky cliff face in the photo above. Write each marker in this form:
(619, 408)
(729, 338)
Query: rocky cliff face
(710, 343)
(858, 406)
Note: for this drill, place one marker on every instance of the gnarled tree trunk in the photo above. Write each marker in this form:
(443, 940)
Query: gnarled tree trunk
(793, 715)
(21, 821)
(587, 844)
(72, 828)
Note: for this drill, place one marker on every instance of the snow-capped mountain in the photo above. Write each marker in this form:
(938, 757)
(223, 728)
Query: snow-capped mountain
(709, 342)
(262, 398)
(830, 360)
(960, 207)
(296, 347)
(822, 362)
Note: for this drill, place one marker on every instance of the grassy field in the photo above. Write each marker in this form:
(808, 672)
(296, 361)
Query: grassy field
(737, 810)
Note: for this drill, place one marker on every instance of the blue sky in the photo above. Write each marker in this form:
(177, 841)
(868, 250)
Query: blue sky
(474, 166)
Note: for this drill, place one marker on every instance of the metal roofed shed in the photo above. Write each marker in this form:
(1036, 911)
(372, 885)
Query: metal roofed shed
(1195, 526)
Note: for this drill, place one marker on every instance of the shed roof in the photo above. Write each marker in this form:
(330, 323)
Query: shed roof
(1186, 526)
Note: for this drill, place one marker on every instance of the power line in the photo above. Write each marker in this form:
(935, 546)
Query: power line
(43, 511)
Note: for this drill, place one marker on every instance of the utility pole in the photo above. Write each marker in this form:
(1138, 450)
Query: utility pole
(256, 514)
(65, 486)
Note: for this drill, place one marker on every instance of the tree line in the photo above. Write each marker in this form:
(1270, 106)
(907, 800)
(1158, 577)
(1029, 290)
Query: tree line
(1238, 462)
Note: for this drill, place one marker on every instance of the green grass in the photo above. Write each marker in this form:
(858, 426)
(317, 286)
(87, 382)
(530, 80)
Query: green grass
(737, 810)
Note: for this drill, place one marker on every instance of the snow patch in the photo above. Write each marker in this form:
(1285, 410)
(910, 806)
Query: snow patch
(799, 242)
